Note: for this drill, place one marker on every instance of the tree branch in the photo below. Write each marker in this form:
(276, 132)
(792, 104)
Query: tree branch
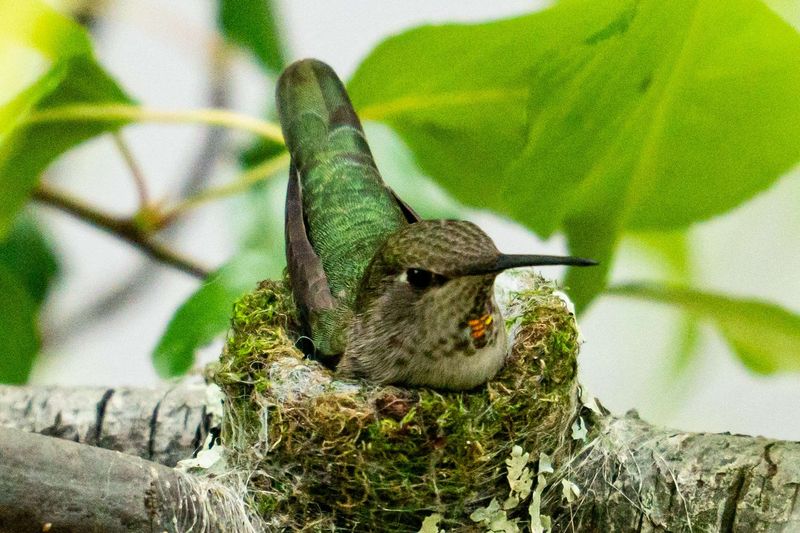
(49, 484)
(634, 476)
(123, 228)
(163, 425)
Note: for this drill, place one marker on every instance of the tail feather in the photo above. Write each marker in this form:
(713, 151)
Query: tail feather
(347, 209)
(316, 113)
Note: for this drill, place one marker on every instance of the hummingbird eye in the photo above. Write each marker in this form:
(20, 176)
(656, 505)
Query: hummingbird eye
(419, 279)
(422, 279)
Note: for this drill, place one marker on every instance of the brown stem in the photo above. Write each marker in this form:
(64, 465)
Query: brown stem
(123, 228)
(198, 173)
(136, 171)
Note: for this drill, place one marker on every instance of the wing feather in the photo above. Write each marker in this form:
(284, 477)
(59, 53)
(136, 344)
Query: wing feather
(307, 277)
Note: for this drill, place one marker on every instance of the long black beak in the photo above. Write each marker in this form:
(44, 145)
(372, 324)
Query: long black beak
(506, 261)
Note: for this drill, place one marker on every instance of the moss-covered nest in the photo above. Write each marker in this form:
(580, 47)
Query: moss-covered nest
(324, 454)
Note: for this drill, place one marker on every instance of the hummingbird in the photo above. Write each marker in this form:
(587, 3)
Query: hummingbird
(382, 294)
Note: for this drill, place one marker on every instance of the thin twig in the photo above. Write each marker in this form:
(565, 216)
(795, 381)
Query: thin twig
(123, 228)
(110, 112)
(136, 171)
(199, 170)
(194, 179)
(105, 305)
(247, 179)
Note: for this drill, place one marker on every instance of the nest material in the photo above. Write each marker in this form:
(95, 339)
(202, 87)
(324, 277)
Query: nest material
(322, 454)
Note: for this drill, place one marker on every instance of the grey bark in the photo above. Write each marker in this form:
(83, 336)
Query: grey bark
(633, 476)
(638, 477)
(163, 425)
(49, 484)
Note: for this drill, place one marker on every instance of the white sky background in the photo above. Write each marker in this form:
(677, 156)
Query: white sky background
(158, 51)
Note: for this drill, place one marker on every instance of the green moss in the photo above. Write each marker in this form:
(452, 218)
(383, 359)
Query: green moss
(322, 453)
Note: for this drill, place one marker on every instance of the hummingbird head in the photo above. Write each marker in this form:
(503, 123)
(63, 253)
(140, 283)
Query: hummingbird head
(425, 312)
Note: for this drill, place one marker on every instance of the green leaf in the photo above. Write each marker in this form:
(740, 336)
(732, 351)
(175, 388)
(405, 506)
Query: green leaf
(207, 312)
(34, 25)
(27, 253)
(788, 9)
(596, 117)
(672, 251)
(396, 164)
(19, 338)
(261, 150)
(594, 236)
(71, 76)
(252, 25)
(764, 336)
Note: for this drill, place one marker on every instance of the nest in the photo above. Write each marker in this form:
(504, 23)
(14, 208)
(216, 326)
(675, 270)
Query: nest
(325, 454)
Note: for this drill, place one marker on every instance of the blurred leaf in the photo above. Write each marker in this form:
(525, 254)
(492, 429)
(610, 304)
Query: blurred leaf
(26, 252)
(672, 251)
(19, 339)
(252, 25)
(206, 314)
(764, 336)
(33, 24)
(788, 9)
(260, 151)
(595, 236)
(687, 341)
(71, 76)
(260, 215)
(396, 164)
(596, 117)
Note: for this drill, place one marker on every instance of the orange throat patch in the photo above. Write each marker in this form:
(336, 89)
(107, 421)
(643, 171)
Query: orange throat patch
(480, 325)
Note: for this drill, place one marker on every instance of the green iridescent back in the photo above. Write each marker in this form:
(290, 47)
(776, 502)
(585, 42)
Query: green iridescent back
(349, 212)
